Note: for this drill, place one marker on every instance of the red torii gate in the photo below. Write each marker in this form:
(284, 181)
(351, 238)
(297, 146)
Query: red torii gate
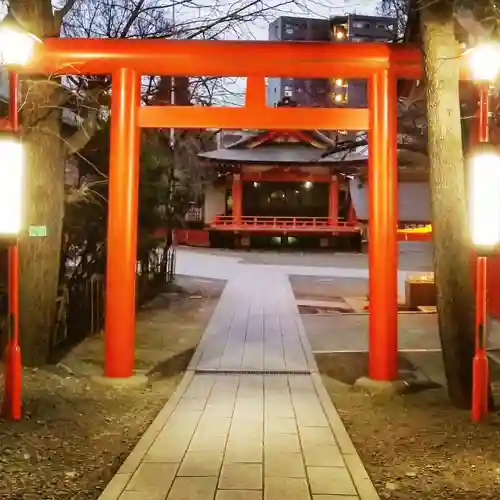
(128, 60)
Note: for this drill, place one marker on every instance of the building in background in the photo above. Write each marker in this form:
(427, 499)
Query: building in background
(276, 188)
(306, 92)
(357, 28)
(321, 92)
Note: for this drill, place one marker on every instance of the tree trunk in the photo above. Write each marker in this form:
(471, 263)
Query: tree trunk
(40, 256)
(452, 253)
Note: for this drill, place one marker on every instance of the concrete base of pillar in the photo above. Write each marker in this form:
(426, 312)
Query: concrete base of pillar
(381, 388)
(136, 381)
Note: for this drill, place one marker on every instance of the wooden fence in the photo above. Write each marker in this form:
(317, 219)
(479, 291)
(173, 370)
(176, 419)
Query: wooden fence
(80, 310)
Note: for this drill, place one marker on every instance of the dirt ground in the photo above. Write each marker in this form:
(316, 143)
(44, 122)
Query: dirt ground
(75, 432)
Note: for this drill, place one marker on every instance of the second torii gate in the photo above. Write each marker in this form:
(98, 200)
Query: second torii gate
(128, 60)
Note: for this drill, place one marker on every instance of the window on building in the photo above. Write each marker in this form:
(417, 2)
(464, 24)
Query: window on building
(339, 82)
(339, 96)
(361, 25)
(340, 32)
(382, 26)
(288, 93)
(289, 29)
(359, 39)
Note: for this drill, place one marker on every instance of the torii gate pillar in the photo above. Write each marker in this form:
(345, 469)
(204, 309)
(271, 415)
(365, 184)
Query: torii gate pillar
(123, 207)
(383, 221)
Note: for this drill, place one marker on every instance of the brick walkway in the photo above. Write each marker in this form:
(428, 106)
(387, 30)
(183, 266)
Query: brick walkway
(251, 419)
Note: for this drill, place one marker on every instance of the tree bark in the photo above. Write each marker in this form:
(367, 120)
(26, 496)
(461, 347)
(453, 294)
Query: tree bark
(452, 253)
(40, 256)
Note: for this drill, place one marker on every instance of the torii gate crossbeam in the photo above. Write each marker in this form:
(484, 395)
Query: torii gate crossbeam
(128, 60)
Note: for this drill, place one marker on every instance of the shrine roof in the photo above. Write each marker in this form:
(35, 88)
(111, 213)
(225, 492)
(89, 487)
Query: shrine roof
(279, 154)
(300, 147)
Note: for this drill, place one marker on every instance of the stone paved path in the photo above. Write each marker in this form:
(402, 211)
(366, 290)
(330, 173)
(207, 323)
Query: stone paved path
(251, 419)
(255, 327)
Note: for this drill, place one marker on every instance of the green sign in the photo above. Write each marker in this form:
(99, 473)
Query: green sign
(38, 231)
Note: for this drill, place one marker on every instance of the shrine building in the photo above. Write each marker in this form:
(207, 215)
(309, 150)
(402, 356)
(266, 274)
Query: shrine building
(286, 188)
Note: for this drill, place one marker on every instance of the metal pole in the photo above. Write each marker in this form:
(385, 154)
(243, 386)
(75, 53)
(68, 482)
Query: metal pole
(172, 86)
(480, 370)
(13, 363)
(383, 219)
(484, 110)
(480, 363)
(122, 225)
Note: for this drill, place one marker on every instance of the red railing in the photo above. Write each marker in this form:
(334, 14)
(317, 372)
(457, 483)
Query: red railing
(283, 224)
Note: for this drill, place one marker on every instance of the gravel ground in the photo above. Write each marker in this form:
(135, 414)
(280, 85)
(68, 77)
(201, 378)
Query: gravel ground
(75, 432)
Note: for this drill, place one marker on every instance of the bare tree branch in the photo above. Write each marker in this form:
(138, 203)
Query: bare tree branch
(63, 11)
(82, 136)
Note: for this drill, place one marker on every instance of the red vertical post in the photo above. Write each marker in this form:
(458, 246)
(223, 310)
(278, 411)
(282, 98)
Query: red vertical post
(352, 219)
(12, 362)
(480, 369)
(480, 363)
(237, 196)
(333, 201)
(123, 204)
(383, 246)
(484, 110)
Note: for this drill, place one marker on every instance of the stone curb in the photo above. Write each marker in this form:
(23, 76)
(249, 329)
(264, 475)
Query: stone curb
(306, 347)
(119, 481)
(360, 477)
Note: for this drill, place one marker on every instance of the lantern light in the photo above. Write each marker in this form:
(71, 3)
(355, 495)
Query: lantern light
(12, 178)
(484, 61)
(17, 45)
(308, 184)
(484, 199)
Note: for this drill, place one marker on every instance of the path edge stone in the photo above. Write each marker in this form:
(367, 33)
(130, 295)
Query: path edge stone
(120, 480)
(362, 482)
(198, 353)
(304, 340)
